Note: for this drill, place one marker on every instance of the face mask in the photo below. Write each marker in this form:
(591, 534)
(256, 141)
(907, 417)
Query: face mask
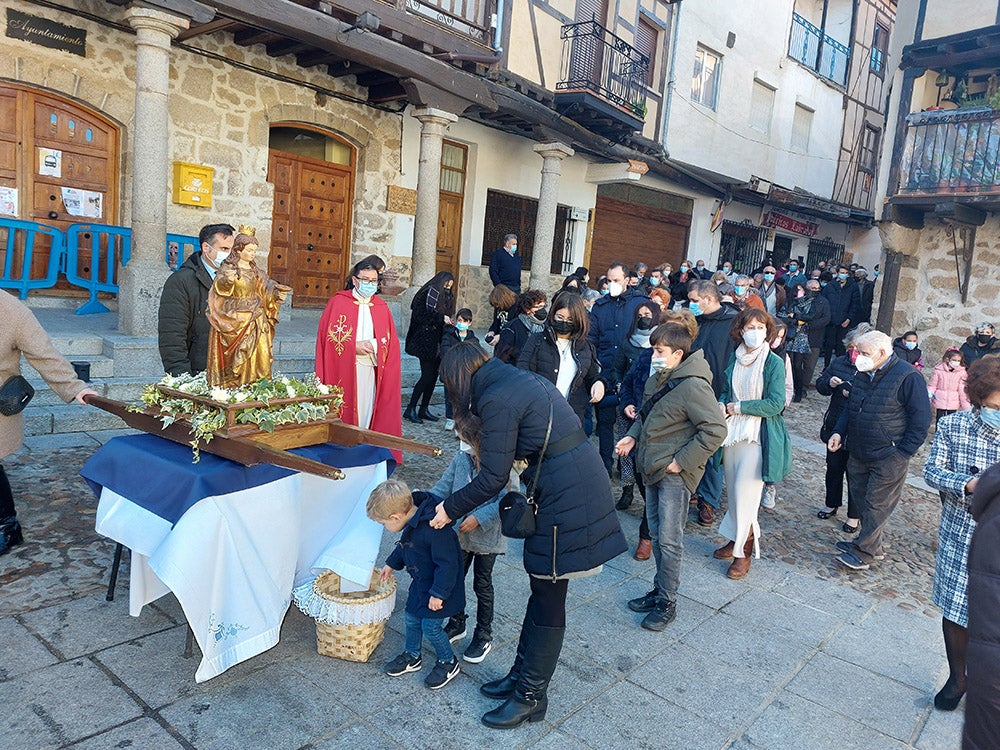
(864, 363)
(695, 308)
(984, 338)
(541, 314)
(875, 275)
(655, 281)
(991, 417)
(684, 269)
(615, 288)
(911, 345)
(952, 365)
(512, 249)
(776, 344)
(562, 326)
(768, 277)
(822, 284)
(658, 363)
(465, 447)
(842, 276)
(853, 354)
(367, 288)
(727, 270)
(644, 323)
(221, 256)
(605, 292)
(812, 292)
(701, 268)
(462, 327)
(793, 268)
(753, 338)
(739, 290)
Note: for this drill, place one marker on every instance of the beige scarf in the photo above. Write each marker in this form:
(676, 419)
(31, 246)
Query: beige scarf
(747, 384)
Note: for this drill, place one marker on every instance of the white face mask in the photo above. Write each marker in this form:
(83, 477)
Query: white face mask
(753, 338)
(615, 288)
(657, 363)
(221, 256)
(864, 363)
(465, 447)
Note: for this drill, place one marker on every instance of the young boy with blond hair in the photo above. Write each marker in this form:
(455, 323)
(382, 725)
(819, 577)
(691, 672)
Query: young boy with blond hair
(434, 559)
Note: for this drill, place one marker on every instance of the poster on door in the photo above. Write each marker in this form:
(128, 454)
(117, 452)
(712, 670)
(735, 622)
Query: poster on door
(86, 203)
(8, 201)
(50, 162)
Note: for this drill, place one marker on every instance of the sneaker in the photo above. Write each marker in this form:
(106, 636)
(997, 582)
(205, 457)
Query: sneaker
(455, 629)
(768, 497)
(646, 603)
(661, 616)
(478, 649)
(852, 561)
(449, 424)
(849, 547)
(443, 673)
(402, 664)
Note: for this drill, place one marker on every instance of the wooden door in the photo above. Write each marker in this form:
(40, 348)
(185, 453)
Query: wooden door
(449, 237)
(47, 145)
(310, 243)
(632, 232)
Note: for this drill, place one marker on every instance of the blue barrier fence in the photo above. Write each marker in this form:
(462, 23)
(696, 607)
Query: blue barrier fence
(87, 255)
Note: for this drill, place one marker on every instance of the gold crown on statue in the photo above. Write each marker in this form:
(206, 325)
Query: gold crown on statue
(248, 230)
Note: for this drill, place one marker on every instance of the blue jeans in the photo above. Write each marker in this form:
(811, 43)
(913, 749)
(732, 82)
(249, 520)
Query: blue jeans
(710, 487)
(433, 629)
(666, 510)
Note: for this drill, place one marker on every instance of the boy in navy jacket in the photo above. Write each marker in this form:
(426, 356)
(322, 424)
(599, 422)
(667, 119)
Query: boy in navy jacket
(433, 558)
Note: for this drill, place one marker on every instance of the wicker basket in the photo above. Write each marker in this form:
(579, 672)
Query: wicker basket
(340, 631)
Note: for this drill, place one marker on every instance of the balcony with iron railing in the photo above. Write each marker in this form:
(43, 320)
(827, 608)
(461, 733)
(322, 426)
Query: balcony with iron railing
(951, 154)
(817, 51)
(471, 18)
(602, 82)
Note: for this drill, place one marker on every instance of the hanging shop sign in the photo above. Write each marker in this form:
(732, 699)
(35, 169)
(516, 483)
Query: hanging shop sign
(193, 184)
(46, 33)
(788, 222)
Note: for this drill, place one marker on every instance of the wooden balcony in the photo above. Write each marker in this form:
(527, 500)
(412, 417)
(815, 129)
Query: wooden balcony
(603, 80)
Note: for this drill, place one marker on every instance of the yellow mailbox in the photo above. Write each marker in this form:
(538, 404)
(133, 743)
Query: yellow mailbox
(193, 184)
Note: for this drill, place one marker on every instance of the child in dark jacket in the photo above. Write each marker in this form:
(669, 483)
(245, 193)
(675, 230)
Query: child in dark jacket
(434, 559)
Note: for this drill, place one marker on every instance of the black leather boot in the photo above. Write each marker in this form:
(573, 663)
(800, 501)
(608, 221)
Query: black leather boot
(410, 416)
(426, 415)
(530, 699)
(10, 533)
(625, 500)
(504, 687)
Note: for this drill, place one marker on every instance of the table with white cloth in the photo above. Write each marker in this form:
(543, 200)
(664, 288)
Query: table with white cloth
(230, 541)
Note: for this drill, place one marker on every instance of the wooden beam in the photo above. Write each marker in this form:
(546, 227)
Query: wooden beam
(961, 213)
(197, 12)
(286, 47)
(346, 68)
(252, 36)
(327, 33)
(386, 92)
(374, 78)
(317, 57)
(219, 24)
(906, 216)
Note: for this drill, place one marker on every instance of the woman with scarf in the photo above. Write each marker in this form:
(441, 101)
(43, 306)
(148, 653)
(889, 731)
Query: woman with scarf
(432, 307)
(527, 317)
(807, 314)
(757, 448)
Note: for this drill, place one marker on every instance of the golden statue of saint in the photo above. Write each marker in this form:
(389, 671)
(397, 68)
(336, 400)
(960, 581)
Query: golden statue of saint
(242, 310)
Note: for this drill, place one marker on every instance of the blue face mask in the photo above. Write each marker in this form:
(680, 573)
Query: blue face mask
(461, 326)
(991, 417)
(822, 283)
(695, 308)
(605, 292)
(367, 288)
(768, 277)
(793, 268)
(684, 269)
(842, 276)
(739, 290)
(654, 281)
(911, 345)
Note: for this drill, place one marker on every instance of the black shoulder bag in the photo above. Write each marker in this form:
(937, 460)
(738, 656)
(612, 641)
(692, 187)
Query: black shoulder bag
(648, 406)
(517, 510)
(15, 394)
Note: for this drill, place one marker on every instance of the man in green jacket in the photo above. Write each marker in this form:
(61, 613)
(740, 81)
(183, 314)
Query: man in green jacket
(678, 429)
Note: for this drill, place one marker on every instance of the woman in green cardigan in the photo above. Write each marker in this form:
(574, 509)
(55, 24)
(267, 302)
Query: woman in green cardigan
(757, 448)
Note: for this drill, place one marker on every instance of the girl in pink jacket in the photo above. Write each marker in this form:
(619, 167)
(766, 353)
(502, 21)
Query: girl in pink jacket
(947, 386)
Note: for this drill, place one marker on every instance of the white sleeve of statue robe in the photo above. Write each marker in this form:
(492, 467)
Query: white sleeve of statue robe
(365, 364)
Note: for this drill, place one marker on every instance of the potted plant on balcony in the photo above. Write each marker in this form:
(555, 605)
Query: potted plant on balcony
(639, 109)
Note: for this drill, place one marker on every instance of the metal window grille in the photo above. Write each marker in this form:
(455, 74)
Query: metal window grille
(825, 249)
(743, 244)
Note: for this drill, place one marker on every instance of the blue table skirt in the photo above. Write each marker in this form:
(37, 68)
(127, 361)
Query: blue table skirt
(159, 475)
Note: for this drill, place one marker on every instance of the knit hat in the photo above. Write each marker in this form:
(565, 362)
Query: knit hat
(984, 325)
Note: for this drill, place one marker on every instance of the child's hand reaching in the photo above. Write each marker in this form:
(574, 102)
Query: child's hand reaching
(385, 575)
(468, 524)
(434, 604)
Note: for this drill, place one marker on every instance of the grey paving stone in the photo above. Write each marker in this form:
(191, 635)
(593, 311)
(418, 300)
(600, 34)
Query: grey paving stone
(591, 586)
(690, 613)
(792, 722)
(357, 736)
(845, 603)
(558, 741)
(22, 652)
(709, 684)
(738, 642)
(942, 730)
(277, 708)
(83, 626)
(767, 612)
(916, 661)
(904, 623)
(888, 706)
(708, 584)
(629, 717)
(56, 705)
(39, 443)
(141, 734)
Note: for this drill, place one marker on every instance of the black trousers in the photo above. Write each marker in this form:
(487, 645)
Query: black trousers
(643, 524)
(803, 366)
(942, 413)
(482, 585)
(833, 342)
(424, 388)
(547, 603)
(6, 497)
(836, 471)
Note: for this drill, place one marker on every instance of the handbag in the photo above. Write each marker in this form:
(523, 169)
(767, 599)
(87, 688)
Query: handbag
(15, 394)
(517, 509)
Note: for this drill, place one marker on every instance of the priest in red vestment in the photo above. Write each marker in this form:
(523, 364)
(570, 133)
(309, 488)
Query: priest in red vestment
(357, 349)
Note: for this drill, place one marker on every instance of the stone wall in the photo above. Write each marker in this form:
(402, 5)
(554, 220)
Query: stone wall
(928, 299)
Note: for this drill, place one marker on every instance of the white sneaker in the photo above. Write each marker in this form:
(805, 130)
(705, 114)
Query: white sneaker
(768, 497)
(449, 424)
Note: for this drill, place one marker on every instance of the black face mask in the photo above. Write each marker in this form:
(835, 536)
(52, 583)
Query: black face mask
(541, 314)
(984, 338)
(644, 323)
(562, 326)
(812, 292)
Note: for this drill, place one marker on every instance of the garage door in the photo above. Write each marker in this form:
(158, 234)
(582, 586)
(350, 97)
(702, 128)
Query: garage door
(632, 232)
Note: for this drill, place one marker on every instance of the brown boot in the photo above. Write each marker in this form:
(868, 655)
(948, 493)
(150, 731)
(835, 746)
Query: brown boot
(739, 568)
(644, 550)
(725, 552)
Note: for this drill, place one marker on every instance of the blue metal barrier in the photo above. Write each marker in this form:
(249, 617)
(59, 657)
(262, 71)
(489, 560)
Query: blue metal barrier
(109, 247)
(179, 247)
(19, 247)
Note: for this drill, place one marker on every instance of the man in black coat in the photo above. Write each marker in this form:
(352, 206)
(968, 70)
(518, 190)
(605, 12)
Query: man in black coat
(845, 306)
(866, 292)
(813, 311)
(182, 329)
(714, 322)
(505, 265)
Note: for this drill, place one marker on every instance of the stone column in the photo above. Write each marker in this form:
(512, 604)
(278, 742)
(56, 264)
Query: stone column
(425, 224)
(545, 221)
(141, 281)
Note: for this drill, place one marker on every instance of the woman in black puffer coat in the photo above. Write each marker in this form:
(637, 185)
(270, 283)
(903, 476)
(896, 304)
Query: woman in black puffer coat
(563, 355)
(577, 527)
(432, 307)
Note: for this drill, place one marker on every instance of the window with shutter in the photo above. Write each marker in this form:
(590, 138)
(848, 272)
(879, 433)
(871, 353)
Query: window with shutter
(646, 41)
(761, 106)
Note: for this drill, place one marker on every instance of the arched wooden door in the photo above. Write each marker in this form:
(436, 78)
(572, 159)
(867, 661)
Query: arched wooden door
(58, 166)
(313, 176)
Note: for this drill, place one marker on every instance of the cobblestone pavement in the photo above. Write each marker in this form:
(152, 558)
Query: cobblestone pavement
(784, 659)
